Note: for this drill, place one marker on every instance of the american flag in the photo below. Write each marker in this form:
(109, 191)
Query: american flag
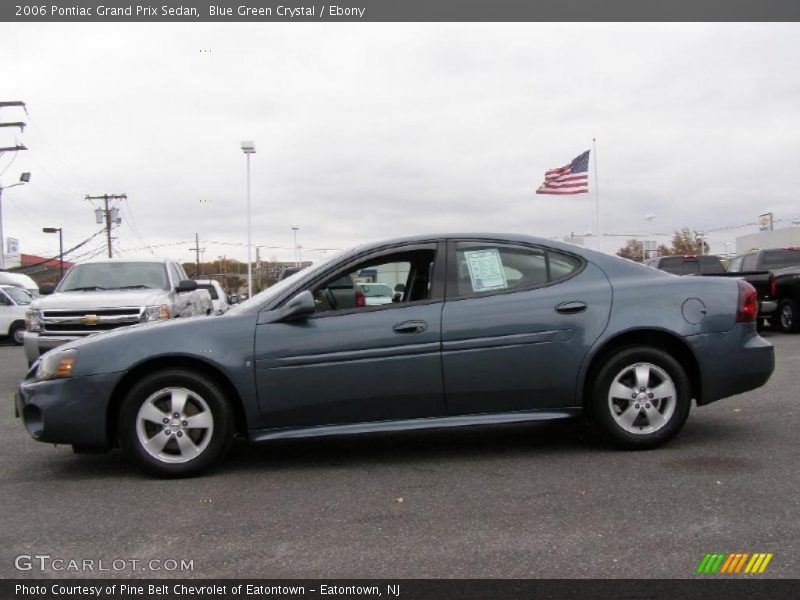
(569, 179)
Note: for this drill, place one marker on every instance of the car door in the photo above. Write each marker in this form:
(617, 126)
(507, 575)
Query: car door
(517, 324)
(183, 300)
(352, 362)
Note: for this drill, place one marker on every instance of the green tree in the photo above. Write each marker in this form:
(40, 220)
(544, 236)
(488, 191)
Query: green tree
(688, 241)
(632, 250)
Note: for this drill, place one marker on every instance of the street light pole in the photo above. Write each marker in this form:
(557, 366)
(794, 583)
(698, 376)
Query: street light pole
(60, 248)
(248, 147)
(296, 254)
(24, 178)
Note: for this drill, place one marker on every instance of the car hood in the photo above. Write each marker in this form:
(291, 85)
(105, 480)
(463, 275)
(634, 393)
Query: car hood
(100, 299)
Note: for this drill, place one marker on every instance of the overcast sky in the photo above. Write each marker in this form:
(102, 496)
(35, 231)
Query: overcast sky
(368, 131)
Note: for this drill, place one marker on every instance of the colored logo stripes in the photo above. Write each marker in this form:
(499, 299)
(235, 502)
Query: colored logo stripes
(734, 563)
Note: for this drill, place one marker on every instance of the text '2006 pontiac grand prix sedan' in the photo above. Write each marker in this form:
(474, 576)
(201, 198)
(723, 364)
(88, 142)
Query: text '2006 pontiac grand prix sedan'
(482, 329)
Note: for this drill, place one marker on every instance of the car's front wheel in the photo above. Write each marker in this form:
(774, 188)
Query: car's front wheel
(18, 334)
(175, 423)
(641, 398)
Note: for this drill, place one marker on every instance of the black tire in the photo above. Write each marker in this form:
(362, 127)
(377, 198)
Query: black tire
(16, 332)
(607, 408)
(787, 316)
(205, 399)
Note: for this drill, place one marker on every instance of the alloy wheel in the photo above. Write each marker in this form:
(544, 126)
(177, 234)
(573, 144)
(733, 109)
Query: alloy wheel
(642, 398)
(174, 425)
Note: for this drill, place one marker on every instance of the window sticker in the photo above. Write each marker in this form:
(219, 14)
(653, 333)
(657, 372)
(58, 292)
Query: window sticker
(485, 269)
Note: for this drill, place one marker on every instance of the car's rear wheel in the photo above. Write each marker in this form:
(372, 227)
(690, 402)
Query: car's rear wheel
(641, 398)
(175, 423)
(787, 316)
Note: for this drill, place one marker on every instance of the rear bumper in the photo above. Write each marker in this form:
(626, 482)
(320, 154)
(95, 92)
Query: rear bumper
(733, 362)
(67, 411)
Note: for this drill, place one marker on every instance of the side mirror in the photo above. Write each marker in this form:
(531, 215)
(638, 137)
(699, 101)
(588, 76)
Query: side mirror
(299, 307)
(47, 289)
(186, 285)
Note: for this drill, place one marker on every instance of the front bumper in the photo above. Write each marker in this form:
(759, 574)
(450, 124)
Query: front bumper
(37, 344)
(68, 411)
(733, 362)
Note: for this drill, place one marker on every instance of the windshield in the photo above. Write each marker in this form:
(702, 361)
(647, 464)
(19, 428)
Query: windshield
(18, 295)
(115, 276)
(265, 296)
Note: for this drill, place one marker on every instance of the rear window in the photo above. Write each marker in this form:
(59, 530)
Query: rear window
(672, 265)
(711, 264)
(777, 259)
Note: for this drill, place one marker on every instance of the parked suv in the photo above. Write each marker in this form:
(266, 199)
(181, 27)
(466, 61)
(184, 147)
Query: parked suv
(688, 264)
(107, 294)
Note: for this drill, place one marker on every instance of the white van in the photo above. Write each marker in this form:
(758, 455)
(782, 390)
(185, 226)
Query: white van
(20, 280)
(14, 301)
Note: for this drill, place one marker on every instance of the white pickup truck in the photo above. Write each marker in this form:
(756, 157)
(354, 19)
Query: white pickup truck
(105, 294)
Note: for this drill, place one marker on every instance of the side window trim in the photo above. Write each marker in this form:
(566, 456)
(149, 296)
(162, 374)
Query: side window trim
(437, 287)
(452, 268)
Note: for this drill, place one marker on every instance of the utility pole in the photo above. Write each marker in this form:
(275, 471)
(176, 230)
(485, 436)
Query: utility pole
(110, 215)
(197, 250)
(25, 178)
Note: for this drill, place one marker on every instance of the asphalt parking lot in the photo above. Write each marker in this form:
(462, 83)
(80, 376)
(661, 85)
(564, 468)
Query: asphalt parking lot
(541, 500)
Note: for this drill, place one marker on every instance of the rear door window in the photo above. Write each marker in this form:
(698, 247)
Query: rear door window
(485, 268)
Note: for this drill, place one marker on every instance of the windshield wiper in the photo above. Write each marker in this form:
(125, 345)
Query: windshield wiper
(133, 287)
(86, 288)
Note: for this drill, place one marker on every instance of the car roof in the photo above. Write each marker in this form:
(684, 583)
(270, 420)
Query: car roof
(147, 259)
(493, 236)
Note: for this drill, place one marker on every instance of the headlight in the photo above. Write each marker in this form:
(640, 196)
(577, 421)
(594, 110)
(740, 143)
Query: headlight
(57, 364)
(155, 313)
(33, 320)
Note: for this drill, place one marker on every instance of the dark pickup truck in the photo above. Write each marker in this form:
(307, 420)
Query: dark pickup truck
(775, 274)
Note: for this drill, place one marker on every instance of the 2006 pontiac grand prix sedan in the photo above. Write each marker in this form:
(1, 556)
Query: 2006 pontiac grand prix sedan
(482, 329)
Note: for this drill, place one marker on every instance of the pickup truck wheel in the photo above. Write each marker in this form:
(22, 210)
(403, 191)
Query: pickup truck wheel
(641, 398)
(175, 423)
(787, 316)
(17, 334)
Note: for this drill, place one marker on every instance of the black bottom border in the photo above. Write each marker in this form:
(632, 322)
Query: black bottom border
(407, 589)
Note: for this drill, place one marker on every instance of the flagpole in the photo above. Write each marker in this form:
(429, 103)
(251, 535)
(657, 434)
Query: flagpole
(597, 198)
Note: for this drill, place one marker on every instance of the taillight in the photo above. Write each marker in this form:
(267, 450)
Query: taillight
(748, 303)
(773, 285)
(361, 299)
